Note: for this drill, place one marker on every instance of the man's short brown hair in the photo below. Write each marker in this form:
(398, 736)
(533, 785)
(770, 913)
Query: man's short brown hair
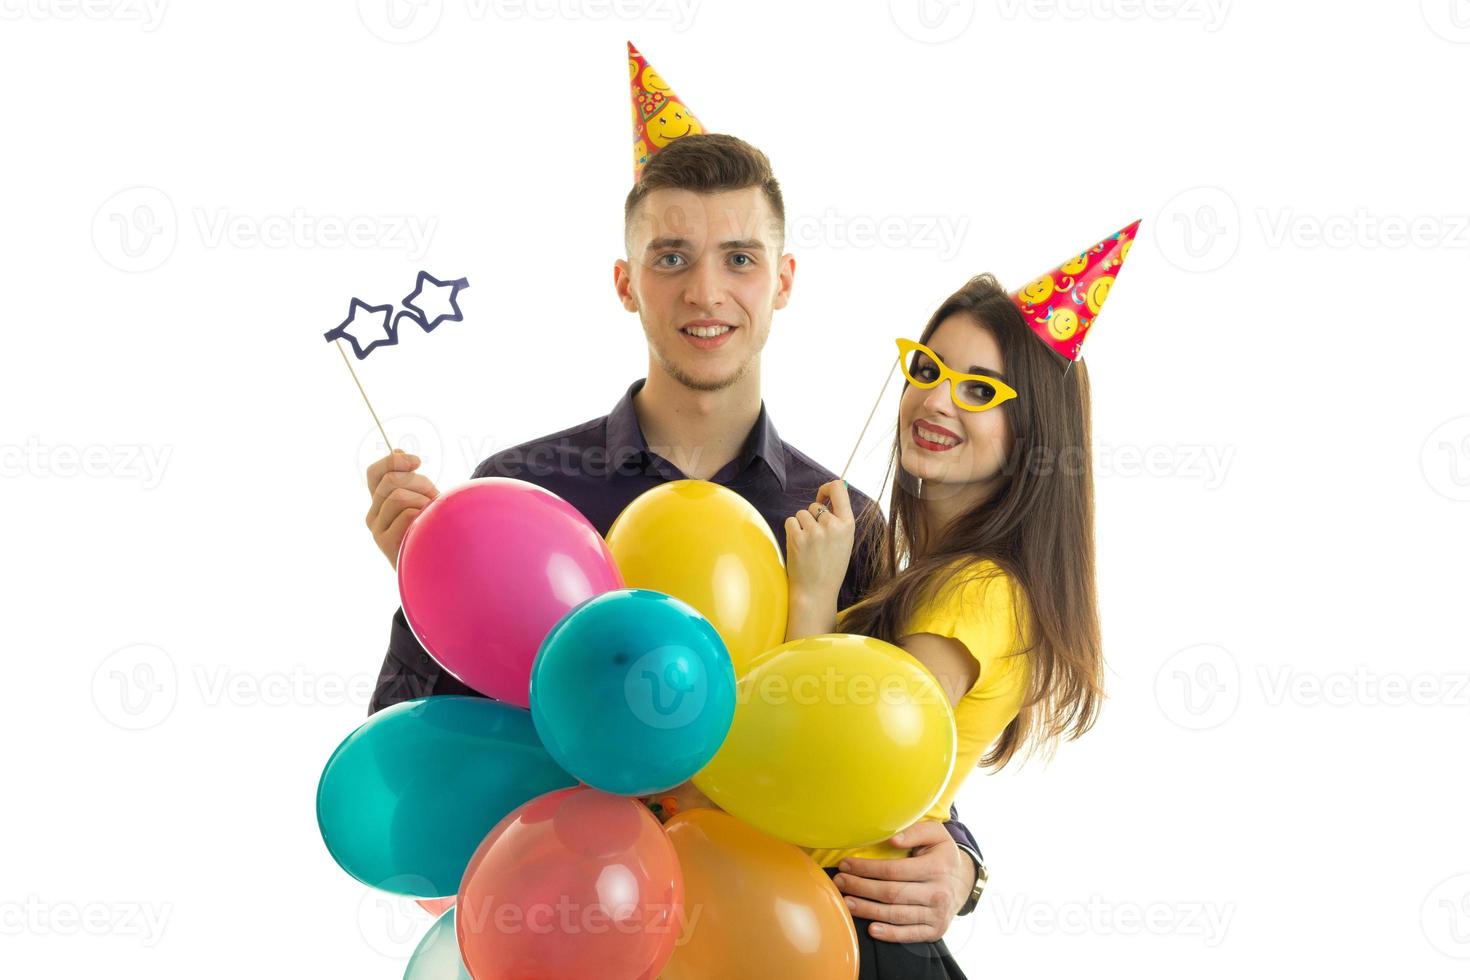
(708, 163)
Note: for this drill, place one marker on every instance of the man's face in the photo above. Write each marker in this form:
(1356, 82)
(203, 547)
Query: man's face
(704, 273)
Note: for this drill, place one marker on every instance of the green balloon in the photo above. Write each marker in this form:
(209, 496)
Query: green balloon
(408, 796)
(437, 956)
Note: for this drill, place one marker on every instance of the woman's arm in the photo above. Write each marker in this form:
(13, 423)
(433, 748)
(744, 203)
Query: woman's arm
(810, 616)
(818, 549)
(947, 659)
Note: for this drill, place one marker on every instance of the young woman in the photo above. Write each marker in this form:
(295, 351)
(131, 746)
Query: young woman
(986, 570)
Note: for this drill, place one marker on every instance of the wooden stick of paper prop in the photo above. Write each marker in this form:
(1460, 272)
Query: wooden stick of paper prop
(871, 413)
(376, 421)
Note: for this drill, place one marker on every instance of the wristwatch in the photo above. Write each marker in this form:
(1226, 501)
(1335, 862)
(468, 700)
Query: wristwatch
(982, 875)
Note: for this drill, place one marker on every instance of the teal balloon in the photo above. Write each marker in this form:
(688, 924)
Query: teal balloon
(437, 956)
(633, 692)
(407, 797)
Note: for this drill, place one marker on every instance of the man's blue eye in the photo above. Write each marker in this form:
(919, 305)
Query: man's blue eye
(742, 255)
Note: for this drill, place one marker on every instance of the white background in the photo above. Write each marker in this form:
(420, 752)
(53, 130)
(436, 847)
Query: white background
(195, 613)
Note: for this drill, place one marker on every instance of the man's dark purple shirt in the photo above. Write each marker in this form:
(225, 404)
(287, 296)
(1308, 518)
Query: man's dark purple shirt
(601, 466)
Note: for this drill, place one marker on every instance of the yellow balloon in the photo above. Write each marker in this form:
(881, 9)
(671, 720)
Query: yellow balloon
(838, 741)
(705, 544)
(755, 906)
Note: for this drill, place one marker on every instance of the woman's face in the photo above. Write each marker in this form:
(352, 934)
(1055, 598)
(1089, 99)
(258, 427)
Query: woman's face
(940, 442)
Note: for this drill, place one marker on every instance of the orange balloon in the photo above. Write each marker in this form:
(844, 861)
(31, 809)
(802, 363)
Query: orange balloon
(755, 906)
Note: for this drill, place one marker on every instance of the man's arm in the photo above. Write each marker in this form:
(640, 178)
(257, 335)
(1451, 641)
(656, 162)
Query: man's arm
(965, 841)
(912, 899)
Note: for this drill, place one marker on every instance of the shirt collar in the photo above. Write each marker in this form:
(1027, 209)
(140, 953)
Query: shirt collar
(625, 438)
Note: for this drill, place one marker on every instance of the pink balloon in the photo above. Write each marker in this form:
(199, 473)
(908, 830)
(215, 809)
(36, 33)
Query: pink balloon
(485, 572)
(576, 883)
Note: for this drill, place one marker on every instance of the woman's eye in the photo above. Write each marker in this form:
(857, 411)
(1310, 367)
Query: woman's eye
(925, 372)
(978, 392)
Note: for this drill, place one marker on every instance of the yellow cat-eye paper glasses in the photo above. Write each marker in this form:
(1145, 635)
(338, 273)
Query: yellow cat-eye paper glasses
(972, 392)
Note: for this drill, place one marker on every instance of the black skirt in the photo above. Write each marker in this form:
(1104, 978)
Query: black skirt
(879, 960)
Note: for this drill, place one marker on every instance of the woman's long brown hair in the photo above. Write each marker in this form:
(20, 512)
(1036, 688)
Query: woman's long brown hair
(1036, 525)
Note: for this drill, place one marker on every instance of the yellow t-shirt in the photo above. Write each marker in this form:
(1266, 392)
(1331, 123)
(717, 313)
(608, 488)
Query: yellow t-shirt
(976, 605)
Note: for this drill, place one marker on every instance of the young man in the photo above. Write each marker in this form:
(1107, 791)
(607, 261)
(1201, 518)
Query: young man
(705, 271)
